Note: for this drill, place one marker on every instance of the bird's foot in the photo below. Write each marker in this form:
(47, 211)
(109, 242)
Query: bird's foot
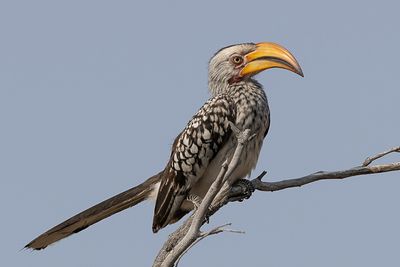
(245, 192)
(196, 200)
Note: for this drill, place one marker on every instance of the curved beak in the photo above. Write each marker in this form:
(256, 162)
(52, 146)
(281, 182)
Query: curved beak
(267, 56)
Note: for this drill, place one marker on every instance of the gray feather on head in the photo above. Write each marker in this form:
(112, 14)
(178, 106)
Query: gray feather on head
(221, 69)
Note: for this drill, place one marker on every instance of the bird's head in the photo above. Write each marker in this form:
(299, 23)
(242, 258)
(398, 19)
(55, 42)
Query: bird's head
(240, 62)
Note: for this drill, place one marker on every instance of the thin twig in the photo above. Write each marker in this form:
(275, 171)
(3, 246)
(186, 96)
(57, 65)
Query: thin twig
(203, 235)
(221, 229)
(380, 155)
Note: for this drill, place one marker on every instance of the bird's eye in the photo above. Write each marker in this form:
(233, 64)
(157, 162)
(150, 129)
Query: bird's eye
(237, 60)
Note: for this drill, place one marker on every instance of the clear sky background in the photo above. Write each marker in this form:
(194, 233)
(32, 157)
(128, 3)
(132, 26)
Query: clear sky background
(92, 94)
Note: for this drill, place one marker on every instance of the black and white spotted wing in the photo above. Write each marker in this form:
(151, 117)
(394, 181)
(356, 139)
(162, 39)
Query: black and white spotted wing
(191, 154)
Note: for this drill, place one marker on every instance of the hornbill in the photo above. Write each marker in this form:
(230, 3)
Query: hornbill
(207, 141)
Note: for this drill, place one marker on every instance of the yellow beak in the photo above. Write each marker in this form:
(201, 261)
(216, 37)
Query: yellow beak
(267, 56)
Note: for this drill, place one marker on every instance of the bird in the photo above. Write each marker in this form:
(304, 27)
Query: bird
(199, 151)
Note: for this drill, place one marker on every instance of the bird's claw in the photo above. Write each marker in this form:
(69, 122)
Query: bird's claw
(196, 200)
(247, 189)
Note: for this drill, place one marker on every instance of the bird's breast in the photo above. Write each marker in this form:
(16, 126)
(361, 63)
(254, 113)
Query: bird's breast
(252, 114)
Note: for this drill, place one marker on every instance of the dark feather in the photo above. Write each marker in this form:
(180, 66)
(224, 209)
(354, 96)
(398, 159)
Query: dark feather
(96, 213)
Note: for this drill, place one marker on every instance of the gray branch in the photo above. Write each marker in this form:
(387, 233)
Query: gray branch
(369, 160)
(323, 175)
(189, 234)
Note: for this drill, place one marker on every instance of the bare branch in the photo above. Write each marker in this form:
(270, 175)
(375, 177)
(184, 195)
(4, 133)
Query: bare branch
(188, 234)
(193, 231)
(324, 175)
(369, 160)
(221, 229)
(275, 186)
(203, 235)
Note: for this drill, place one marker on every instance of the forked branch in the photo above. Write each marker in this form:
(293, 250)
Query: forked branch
(189, 234)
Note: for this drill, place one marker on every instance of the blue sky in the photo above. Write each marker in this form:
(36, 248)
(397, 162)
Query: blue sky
(92, 94)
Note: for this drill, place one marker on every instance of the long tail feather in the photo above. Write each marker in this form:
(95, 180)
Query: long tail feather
(108, 207)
